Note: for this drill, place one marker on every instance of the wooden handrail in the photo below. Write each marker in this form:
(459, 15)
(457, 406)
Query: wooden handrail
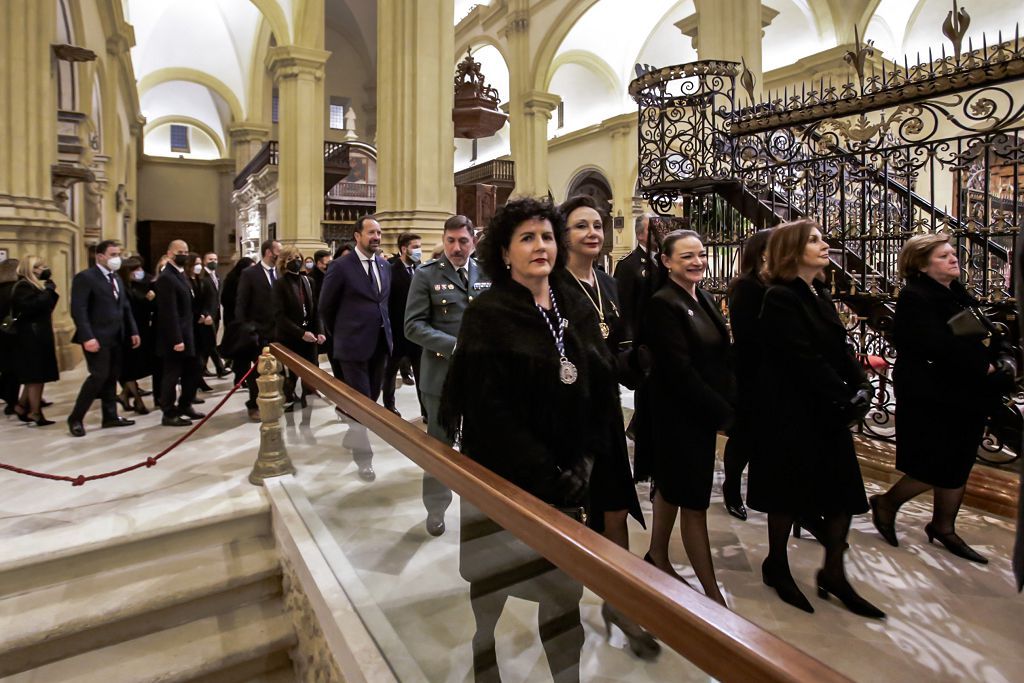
(718, 641)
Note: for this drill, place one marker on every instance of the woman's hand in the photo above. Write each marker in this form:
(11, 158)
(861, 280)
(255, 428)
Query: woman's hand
(308, 336)
(320, 339)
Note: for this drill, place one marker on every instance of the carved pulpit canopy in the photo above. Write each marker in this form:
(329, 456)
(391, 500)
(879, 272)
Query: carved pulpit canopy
(476, 113)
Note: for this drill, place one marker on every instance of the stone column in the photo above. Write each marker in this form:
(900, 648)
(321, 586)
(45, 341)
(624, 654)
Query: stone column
(623, 130)
(299, 75)
(247, 137)
(731, 29)
(30, 221)
(415, 134)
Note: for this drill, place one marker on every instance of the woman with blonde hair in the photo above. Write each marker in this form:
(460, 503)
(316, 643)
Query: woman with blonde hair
(941, 369)
(295, 310)
(805, 464)
(33, 299)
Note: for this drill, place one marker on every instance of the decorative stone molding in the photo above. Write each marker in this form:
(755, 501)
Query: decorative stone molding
(311, 656)
(291, 61)
(688, 26)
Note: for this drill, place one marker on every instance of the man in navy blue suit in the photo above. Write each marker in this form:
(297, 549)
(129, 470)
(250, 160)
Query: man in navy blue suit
(103, 323)
(354, 307)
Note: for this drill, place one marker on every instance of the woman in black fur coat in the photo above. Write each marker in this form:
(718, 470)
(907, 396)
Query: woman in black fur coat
(533, 387)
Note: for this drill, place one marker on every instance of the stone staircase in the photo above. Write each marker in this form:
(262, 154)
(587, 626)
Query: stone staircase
(196, 600)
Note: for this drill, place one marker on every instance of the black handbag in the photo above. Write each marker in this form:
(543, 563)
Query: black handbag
(9, 324)
(969, 323)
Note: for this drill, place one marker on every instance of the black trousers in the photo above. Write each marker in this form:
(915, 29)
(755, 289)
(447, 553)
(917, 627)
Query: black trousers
(367, 377)
(178, 367)
(104, 369)
(436, 496)
(395, 362)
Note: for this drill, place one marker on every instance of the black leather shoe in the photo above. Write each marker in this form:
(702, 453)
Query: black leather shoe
(887, 528)
(785, 587)
(395, 411)
(118, 422)
(736, 508)
(849, 597)
(954, 544)
(75, 427)
(175, 421)
(435, 525)
(45, 404)
(366, 473)
(191, 412)
(197, 401)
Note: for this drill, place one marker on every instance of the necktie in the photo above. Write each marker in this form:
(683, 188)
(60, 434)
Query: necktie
(113, 285)
(273, 275)
(411, 269)
(464, 278)
(369, 274)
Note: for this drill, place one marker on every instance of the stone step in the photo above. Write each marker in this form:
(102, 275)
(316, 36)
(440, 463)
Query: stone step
(200, 650)
(65, 554)
(122, 603)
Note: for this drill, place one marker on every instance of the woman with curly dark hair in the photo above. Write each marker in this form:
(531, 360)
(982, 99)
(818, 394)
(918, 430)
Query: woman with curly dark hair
(530, 380)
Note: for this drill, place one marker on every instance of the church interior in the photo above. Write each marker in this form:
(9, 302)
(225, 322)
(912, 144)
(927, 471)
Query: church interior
(259, 549)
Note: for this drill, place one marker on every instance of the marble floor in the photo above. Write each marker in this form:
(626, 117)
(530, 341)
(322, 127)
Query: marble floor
(949, 620)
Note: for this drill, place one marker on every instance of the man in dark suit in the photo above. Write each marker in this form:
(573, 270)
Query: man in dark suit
(354, 307)
(210, 262)
(175, 339)
(253, 307)
(637, 277)
(321, 259)
(103, 322)
(410, 253)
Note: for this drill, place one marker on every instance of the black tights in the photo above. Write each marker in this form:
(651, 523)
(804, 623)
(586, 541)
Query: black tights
(834, 527)
(944, 511)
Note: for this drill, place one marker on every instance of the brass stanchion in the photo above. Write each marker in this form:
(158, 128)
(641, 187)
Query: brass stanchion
(272, 460)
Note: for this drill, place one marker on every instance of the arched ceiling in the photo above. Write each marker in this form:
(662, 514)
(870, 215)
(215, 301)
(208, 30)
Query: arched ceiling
(909, 27)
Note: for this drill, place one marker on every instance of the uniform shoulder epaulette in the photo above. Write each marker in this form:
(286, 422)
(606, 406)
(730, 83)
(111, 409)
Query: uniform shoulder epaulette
(429, 263)
(623, 257)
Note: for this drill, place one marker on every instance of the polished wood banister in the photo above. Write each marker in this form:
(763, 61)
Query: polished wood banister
(718, 641)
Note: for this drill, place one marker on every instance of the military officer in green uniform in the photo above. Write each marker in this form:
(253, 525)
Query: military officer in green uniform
(440, 291)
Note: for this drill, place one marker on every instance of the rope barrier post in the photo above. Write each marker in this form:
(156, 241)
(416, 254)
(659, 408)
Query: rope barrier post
(273, 460)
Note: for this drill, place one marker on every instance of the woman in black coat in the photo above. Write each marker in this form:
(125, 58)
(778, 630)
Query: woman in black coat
(746, 293)
(9, 387)
(203, 302)
(33, 298)
(692, 391)
(533, 387)
(938, 373)
(138, 362)
(805, 464)
(612, 492)
(298, 323)
(229, 292)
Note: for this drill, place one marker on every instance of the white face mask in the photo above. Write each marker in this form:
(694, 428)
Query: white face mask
(138, 275)
(309, 265)
(114, 263)
(198, 268)
(416, 254)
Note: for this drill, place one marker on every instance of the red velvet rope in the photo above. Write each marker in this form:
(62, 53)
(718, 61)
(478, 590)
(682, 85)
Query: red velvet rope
(148, 462)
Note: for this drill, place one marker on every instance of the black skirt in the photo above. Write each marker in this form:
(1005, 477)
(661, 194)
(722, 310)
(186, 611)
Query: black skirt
(685, 477)
(930, 452)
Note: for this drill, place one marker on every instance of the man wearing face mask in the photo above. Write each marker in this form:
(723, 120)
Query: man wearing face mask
(175, 339)
(103, 323)
(253, 309)
(410, 253)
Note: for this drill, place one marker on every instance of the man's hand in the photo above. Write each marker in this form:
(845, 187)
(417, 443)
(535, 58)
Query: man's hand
(179, 347)
(308, 336)
(92, 346)
(136, 341)
(321, 339)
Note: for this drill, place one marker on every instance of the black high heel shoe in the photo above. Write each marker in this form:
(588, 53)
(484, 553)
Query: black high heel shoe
(641, 643)
(785, 587)
(813, 526)
(21, 414)
(886, 529)
(40, 419)
(735, 507)
(954, 544)
(849, 597)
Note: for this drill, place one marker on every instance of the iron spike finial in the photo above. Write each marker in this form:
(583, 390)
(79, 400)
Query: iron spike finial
(955, 28)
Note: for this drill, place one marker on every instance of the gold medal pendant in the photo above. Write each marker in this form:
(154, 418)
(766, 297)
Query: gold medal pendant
(605, 331)
(567, 372)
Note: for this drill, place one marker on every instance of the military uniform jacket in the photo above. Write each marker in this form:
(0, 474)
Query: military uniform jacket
(433, 315)
(638, 277)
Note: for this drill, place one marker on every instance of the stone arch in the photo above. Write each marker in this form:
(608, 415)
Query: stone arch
(479, 41)
(261, 84)
(588, 60)
(178, 73)
(552, 40)
(187, 120)
(593, 181)
(277, 19)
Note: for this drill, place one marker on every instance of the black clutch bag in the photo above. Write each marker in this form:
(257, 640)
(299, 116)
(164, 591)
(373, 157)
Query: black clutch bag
(970, 323)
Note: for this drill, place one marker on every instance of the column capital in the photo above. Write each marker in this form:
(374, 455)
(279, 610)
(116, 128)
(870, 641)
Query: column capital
(540, 102)
(247, 131)
(122, 40)
(291, 61)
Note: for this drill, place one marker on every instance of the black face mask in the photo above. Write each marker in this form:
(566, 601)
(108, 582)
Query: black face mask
(293, 266)
(211, 266)
(180, 260)
(45, 275)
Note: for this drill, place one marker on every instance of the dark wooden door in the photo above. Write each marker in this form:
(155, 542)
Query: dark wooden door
(154, 236)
